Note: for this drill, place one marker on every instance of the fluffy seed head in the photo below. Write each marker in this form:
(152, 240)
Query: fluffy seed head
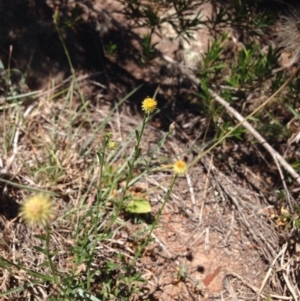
(289, 33)
(149, 105)
(37, 209)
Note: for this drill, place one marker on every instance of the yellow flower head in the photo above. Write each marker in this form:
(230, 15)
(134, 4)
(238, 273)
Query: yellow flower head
(112, 145)
(149, 105)
(180, 168)
(37, 209)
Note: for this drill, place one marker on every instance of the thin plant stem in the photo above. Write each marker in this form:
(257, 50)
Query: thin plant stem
(56, 23)
(101, 158)
(48, 253)
(129, 176)
(154, 224)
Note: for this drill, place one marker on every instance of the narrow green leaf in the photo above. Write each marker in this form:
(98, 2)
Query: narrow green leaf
(41, 250)
(41, 237)
(12, 291)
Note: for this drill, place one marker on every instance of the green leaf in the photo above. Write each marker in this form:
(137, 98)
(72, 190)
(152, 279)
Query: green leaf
(41, 237)
(12, 291)
(41, 250)
(45, 264)
(138, 206)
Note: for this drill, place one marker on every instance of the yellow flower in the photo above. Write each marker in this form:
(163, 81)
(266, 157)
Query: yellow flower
(112, 145)
(37, 209)
(180, 168)
(149, 105)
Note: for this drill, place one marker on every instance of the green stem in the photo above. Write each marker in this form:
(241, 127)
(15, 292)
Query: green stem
(101, 158)
(130, 172)
(48, 253)
(154, 224)
(56, 20)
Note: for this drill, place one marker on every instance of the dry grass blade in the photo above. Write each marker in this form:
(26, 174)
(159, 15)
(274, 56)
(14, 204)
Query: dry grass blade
(271, 268)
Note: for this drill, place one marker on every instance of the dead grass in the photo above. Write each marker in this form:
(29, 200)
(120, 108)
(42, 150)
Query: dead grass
(220, 236)
(217, 228)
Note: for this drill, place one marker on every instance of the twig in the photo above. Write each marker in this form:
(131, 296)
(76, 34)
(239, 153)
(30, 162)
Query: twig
(193, 200)
(287, 195)
(282, 251)
(205, 188)
(290, 287)
(206, 240)
(264, 143)
(162, 245)
(230, 290)
(255, 289)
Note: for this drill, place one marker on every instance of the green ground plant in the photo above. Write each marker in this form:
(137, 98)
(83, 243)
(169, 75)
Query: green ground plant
(95, 227)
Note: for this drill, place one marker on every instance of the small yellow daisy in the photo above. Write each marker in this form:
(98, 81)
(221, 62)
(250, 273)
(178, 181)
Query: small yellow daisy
(149, 105)
(180, 168)
(37, 209)
(112, 145)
